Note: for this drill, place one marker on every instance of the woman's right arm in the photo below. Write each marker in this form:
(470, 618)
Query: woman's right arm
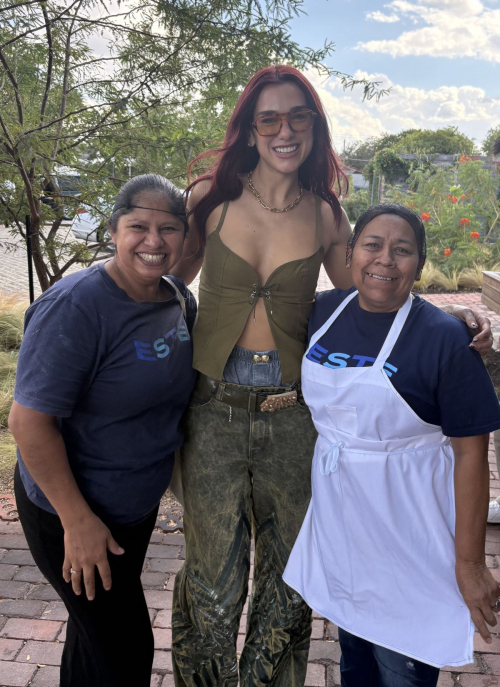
(477, 586)
(86, 537)
(190, 263)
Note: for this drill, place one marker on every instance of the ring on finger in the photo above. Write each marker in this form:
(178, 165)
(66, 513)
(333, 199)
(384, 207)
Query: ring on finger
(74, 572)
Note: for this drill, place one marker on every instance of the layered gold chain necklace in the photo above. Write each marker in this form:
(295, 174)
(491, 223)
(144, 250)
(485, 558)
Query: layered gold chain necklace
(267, 207)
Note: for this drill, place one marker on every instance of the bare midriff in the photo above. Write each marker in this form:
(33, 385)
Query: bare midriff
(266, 241)
(258, 283)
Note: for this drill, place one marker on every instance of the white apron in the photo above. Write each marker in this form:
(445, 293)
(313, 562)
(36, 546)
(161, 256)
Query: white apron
(376, 551)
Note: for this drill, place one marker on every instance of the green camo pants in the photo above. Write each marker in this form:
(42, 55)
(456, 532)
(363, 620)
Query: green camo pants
(248, 475)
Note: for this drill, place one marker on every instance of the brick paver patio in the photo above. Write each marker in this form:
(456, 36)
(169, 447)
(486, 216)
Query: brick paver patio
(33, 619)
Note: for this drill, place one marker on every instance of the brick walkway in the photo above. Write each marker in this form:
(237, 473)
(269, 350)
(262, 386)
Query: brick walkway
(33, 620)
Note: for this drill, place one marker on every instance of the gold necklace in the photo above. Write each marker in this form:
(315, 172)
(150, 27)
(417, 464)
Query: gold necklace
(264, 205)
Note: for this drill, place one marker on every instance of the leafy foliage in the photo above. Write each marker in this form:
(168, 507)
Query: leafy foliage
(355, 204)
(461, 210)
(156, 91)
(390, 165)
(491, 138)
(446, 141)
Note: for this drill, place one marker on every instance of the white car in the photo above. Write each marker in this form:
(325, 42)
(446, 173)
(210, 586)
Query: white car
(87, 227)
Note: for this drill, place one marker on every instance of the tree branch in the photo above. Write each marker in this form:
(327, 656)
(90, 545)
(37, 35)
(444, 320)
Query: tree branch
(50, 62)
(13, 215)
(15, 85)
(38, 28)
(19, 4)
(64, 97)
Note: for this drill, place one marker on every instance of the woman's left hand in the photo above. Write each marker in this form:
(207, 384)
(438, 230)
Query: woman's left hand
(478, 324)
(480, 592)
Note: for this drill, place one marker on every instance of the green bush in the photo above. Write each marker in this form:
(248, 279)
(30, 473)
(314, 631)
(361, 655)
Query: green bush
(392, 167)
(12, 310)
(461, 211)
(355, 204)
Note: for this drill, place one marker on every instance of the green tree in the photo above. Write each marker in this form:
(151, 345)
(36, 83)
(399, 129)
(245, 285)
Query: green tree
(359, 154)
(447, 141)
(489, 142)
(157, 91)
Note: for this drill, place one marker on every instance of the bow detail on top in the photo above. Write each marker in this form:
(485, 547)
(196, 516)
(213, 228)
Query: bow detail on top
(329, 458)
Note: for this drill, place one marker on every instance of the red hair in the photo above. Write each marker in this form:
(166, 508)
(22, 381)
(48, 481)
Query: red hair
(320, 173)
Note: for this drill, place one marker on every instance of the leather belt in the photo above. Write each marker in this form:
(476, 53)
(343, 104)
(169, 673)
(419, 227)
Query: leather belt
(271, 398)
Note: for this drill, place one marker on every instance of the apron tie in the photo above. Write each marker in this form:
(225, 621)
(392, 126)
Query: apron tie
(329, 459)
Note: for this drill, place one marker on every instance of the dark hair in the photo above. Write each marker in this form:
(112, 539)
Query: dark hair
(129, 193)
(392, 209)
(320, 173)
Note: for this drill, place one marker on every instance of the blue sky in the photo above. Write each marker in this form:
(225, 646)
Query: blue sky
(440, 57)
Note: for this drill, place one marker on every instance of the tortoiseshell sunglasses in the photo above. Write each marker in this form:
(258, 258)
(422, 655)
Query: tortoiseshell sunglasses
(298, 121)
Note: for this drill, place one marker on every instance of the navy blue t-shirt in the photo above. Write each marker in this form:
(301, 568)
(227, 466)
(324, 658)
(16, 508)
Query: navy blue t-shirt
(431, 366)
(118, 375)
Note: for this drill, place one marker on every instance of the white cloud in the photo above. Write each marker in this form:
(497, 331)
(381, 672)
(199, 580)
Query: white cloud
(466, 107)
(382, 18)
(447, 28)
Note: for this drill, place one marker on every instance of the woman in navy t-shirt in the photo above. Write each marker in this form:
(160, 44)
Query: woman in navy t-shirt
(403, 409)
(104, 376)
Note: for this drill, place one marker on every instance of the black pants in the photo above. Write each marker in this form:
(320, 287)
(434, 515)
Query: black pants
(109, 641)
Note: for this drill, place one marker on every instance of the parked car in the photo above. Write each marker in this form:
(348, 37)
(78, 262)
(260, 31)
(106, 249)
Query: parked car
(88, 227)
(66, 186)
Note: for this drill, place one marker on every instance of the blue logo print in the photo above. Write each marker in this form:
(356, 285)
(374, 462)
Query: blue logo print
(160, 349)
(334, 361)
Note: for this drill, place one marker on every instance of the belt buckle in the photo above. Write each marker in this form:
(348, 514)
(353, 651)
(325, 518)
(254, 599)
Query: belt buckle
(279, 401)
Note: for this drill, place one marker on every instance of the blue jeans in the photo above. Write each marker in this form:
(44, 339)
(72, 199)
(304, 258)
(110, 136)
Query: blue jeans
(364, 664)
(242, 369)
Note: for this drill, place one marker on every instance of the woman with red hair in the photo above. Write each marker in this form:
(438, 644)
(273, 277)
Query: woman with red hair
(264, 220)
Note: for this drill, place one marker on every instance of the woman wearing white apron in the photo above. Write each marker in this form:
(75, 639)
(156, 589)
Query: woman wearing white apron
(384, 552)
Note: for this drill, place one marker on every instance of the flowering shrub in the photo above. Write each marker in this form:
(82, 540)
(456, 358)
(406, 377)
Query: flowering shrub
(463, 206)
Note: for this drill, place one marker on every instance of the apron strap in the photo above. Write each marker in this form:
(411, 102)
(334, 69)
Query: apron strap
(394, 332)
(317, 335)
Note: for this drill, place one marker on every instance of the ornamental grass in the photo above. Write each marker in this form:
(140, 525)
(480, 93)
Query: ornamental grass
(12, 309)
(435, 278)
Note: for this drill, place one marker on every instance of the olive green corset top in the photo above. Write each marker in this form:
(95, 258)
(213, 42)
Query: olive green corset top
(229, 288)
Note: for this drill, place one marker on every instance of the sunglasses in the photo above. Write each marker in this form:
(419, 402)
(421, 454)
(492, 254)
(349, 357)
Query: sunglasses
(270, 124)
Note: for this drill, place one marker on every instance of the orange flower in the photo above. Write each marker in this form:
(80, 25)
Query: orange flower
(449, 197)
(463, 196)
(463, 221)
(447, 252)
(425, 217)
(454, 199)
(474, 235)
